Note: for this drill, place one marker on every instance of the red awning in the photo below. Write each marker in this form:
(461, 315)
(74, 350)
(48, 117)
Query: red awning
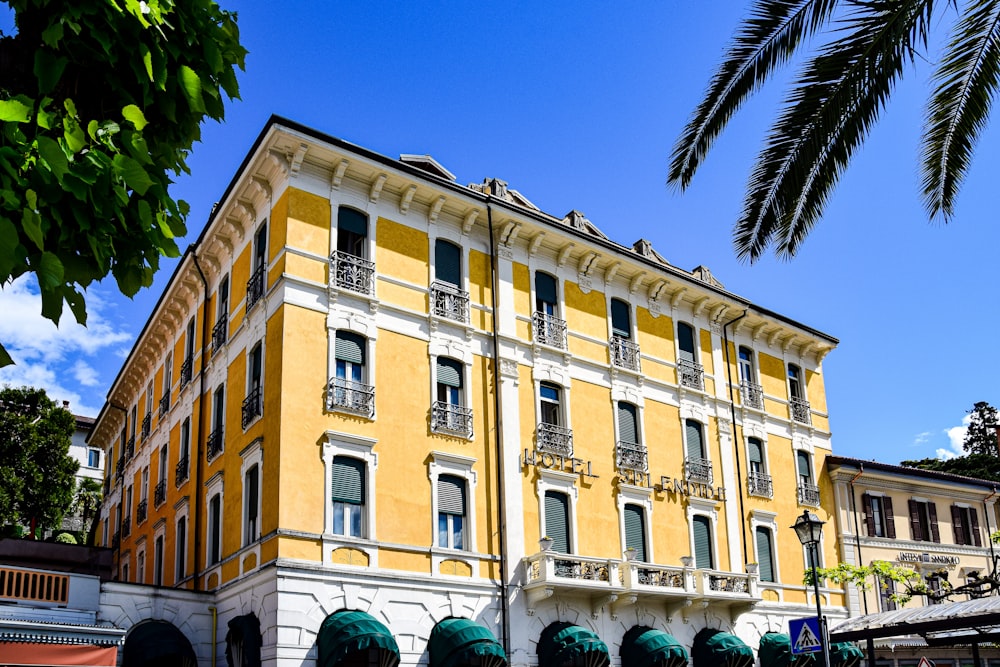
(15, 654)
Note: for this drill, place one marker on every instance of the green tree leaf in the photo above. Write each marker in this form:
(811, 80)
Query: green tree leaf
(53, 154)
(129, 170)
(48, 70)
(50, 271)
(191, 85)
(31, 222)
(16, 110)
(134, 115)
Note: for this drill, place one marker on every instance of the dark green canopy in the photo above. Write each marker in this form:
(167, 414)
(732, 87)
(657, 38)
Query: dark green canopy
(845, 654)
(715, 648)
(345, 633)
(776, 651)
(458, 642)
(645, 647)
(157, 644)
(563, 644)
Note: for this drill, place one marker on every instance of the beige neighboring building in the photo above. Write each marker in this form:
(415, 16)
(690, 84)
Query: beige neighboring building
(936, 523)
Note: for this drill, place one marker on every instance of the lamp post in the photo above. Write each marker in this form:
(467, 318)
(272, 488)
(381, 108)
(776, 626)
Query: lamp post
(809, 529)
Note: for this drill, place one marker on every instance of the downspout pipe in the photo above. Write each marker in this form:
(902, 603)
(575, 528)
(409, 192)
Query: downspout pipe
(498, 416)
(857, 526)
(118, 549)
(736, 449)
(196, 450)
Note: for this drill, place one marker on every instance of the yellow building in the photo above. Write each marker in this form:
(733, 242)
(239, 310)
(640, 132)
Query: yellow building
(368, 388)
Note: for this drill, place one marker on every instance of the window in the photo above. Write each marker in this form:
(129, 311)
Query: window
(934, 584)
(216, 438)
(93, 458)
(685, 343)
(448, 298)
(125, 572)
(701, 527)
(253, 404)
(965, 525)
(251, 505)
(181, 544)
(621, 319)
(886, 589)
(348, 267)
(448, 413)
(140, 567)
(548, 328)
(260, 248)
(349, 390)
(631, 454)
(878, 515)
(549, 400)
(747, 374)
(349, 493)
(451, 512)
(255, 286)
(756, 455)
(804, 467)
(797, 403)
(696, 464)
(635, 531)
(808, 490)
(352, 232)
(557, 521)
(923, 521)
(758, 481)
(546, 299)
(752, 393)
(624, 352)
(160, 494)
(220, 331)
(189, 341)
(765, 553)
(447, 263)
(158, 561)
(628, 423)
(132, 422)
(689, 371)
(183, 462)
(215, 529)
(168, 370)
(795, 382)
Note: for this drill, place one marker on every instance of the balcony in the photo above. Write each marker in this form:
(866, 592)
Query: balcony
(147, 423)
(759, 484)
(181, 471)
(165, 404)
(451, 419)
(130, 449)
(120, 468)
(449, 301)
(253, 406)
(116, 540)
(690, 375)
(220, 332)
(255, 288)
(353, 273)
(752, 395)
(631, 456)
(549, 330)
(160, 493)
(698, 470)
(554, 439)
(215, 444)
(186, 371)
(799, 407)
(349, 396)
(126, 526)
(624, 353)
(808, 494)
(140, 511)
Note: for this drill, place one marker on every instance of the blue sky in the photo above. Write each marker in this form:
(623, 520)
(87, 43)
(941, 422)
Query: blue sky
(577, 105)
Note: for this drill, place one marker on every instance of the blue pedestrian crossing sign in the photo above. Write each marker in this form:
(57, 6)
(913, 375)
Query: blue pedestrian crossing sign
(805, 635)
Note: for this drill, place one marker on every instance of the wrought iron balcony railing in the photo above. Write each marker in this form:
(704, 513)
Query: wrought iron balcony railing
(126, 526)
(160, 493)
(799, 407)
(631, 456)
(808, 494)
(549, 330)
(220, 333)
(120, 468)
(140, 511)
(554, 439)
(181, 471)
(449, 301)
(450, 418)
(253, 406)
(215, 444)
(759, 484)
(186, 371)
(698, 470)
(353, 273)
(624, 353)
(349, 396)
(753, 395)
(165, 403)
(130, 449)
(147, 423)
(691, 375)
(255, 288)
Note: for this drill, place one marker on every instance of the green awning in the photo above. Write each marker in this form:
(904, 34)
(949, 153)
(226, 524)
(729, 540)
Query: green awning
(563, 644)
(157, 644)
(776, 651)
(715, 648)
(345, 633)
(646, 647)
(458, 642)
(845, 654)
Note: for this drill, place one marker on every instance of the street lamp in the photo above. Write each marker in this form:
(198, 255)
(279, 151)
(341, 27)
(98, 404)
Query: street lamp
(809, 529)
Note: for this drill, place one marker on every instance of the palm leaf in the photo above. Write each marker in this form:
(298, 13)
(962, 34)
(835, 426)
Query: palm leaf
(966, 82)
(766, 40)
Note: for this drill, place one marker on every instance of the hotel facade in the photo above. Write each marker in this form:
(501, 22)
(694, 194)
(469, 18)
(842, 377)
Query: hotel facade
(371, 397)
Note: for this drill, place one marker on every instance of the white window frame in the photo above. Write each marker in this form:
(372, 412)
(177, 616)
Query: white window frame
(705, 449)
(755, 431)
(370, 227)
(464, 256)
(181, 510)
(160, 533)
(559, 305)
(140, 561)
(643, 497)
(213, 487)
(124, 561)
(252, 455)
(633, 334)
(443, 463)
(764, 519)
(363, 449)
(801, 377)
(695, 341)
(91, 450)
(704, 507)
(249, 380)
(149, 399)
(563, 482)
(754, 365)
(219, 313)
(168, 375)
(144, 489)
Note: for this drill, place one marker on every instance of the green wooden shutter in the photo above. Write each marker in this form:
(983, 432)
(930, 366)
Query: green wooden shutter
(756, 453)
(348, 480)
(635, 531)
(765, 556)
(545, 288)
(703, 557)
(349, 347)
(627, 431)
(557, 520)
(451, 495)
(449, 372)
(805, 472)
(447, 262)
(695, 449)
(621, 323)
(685, 341)
(349, 220)
(253, 489)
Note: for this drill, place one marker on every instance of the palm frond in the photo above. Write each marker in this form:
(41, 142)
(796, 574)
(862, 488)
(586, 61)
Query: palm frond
(828, 114)
(966, 82)
(765, 40)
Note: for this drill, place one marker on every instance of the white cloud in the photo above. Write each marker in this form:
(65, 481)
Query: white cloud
(85, 374)
(921, 438)
(956, 435)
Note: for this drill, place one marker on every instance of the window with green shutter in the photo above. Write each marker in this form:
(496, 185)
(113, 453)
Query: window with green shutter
(701, 526)
(765, 554)
(349, 347)
(627, 423)
(685, 341)
(545, 293)
(755, 450)
(635, 531)
(348, 483)
(352, 229)
(621, 319)
(804, 469)
(557, 520)
(451, 512)
(447, 262)
(695, 445)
